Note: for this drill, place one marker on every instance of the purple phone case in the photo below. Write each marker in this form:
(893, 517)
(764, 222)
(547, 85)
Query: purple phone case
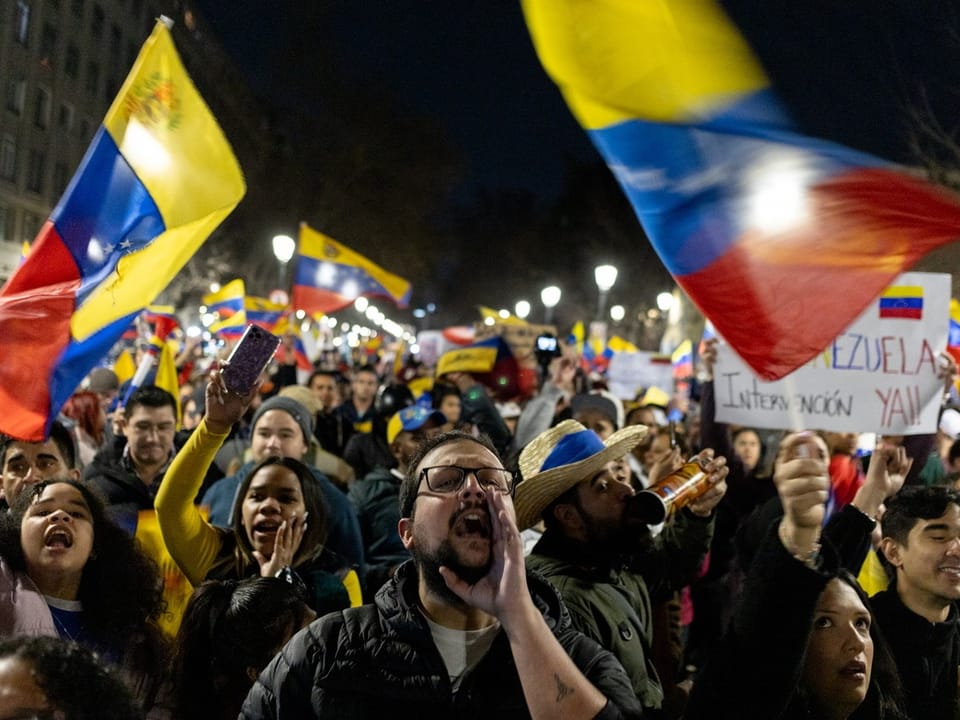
(248, 359)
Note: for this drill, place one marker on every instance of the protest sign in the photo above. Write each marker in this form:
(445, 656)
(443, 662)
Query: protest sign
(630, 372)
(879, 375)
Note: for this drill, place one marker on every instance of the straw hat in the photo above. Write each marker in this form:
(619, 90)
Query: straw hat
(559, 458)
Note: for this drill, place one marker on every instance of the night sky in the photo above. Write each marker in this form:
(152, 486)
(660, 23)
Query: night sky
(845, 70)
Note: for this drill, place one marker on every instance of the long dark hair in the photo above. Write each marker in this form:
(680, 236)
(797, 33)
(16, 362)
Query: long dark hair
(74, 680)
(885, 698)
(316, 533)
(120, 587)
(228, 627)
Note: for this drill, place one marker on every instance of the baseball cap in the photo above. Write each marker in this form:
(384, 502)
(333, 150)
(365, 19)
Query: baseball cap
(411, 419)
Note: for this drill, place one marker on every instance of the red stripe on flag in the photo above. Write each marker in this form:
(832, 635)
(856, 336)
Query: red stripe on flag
(35, 317)
(898, 312)
(311, 299)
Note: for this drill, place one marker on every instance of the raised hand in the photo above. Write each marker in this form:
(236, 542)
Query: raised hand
(803, 484)
(224, 408)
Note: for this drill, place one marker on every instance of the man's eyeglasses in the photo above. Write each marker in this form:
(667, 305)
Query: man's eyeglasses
(450, 478)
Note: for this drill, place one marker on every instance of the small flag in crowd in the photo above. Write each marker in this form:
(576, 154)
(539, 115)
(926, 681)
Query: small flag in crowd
(330, 276)
(227, 303)
(953, 338)
(263, 312)
(157, 179)
(902, 301)
(682, 360)
(781, 239)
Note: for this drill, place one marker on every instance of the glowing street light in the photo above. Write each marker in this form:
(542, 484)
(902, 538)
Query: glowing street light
(550, 296)
(522, 309)
(605, 277)
(617, 313)
(665, 301)
(283, 249)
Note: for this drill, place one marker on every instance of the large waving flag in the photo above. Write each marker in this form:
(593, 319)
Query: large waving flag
(782, 240)
(330, 276)
(157, 179)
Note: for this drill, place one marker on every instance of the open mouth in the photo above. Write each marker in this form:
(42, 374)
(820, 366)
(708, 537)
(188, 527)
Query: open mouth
(58, 538)
(855, 669)
(951, 570)
(267, 527)
(474, 522)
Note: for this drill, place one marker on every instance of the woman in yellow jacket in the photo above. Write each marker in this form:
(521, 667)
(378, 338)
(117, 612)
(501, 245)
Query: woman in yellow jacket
(279, 529)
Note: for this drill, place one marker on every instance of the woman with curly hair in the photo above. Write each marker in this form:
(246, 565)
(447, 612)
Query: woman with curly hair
(67, 570)
(50, 677)
(230, 632)
(85, 409)
(279, 528)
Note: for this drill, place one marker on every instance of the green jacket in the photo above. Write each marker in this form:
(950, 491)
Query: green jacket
(610, 601)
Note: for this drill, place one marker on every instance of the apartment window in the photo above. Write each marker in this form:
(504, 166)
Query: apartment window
(97, 22)
(60, 179)
(71, 64)
(76, 7)
(65, 117)
(41, 110)
(4, 223)
(48, 41)
(21, 22)
(136, 9)
(84, 129)
(93, 78)
(8, 157)
(35, 166)
(16, 94)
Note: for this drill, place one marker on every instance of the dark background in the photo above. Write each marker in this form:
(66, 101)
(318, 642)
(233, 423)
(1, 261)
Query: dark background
(427, 136)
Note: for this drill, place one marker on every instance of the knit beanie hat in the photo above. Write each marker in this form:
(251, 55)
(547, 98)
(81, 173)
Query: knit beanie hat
(294, 409)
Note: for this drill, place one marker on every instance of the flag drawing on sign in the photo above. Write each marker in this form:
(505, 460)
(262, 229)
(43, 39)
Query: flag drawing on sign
(780, 239)
(330, 276)
(902, 301)
(157, 179)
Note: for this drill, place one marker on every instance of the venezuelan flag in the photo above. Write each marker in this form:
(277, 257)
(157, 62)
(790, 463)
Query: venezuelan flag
(330, 276)
(287, 326)
(157, 179)
(265, 313)
(228, 300)
(781, 239)
(682, 360)
(228, 304)
(953, 337)
(902, 301)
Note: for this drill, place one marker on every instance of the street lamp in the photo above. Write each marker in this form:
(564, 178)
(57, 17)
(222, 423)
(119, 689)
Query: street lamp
(617, 313)
(549, 296)
(605, 276)
(283, 248)
(665, 301)
(522, 309)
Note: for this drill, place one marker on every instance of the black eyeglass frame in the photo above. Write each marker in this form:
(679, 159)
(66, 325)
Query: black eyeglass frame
(464, 472)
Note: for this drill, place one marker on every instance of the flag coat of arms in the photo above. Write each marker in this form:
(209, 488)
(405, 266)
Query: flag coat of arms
(157, 179)
(330, 276)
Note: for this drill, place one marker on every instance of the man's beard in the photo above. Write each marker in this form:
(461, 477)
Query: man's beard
(430, 563)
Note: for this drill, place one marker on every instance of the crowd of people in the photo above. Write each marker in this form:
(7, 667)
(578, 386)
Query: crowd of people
(355, 546)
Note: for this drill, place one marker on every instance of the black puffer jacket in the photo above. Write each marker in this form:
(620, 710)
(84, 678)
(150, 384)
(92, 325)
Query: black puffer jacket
(379, 661)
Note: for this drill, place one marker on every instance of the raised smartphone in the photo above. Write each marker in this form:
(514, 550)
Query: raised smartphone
(248, 359)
